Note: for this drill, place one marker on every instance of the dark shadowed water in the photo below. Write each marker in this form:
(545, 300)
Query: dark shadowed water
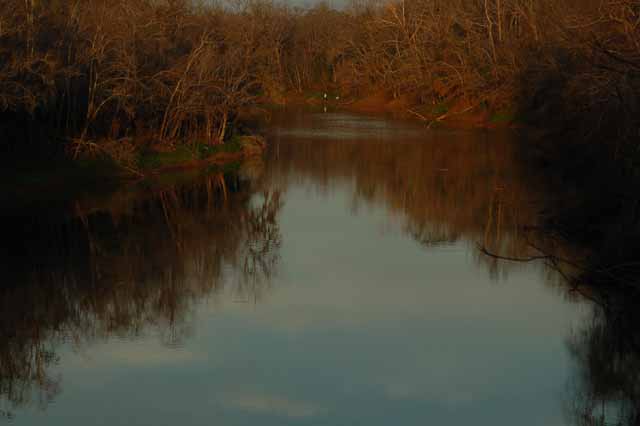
(337, 282)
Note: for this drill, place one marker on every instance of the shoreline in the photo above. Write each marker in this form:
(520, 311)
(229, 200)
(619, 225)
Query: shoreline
(453, 114)
(69, 176)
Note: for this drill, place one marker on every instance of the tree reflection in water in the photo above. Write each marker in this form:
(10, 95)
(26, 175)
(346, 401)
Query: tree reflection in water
(484, 192)
(124, 266)
(442, 189)
(606, 388)
(131, 263)
(606, 350)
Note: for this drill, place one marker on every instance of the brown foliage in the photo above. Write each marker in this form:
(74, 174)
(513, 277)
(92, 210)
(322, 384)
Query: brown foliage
(115, 68)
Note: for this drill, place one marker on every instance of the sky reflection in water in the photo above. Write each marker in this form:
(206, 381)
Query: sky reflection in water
(362, 320)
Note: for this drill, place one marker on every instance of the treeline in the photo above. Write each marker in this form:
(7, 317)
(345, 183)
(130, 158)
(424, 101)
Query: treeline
(174, 70)
(112, 70)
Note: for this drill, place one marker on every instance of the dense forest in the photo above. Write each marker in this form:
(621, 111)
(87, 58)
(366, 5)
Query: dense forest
(115, 76)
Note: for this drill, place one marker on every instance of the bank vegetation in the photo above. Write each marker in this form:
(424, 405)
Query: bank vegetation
(124, 76)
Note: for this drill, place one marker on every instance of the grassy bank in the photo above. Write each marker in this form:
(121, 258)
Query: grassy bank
(68, 178)
(197, 154)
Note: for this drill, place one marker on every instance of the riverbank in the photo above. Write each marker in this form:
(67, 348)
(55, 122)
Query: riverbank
(163, 159)
(454, 113)
(67, 177)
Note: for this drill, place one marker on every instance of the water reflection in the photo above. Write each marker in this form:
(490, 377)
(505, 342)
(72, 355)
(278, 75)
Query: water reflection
(145, 259)
(98, 269)
(468, 186)
(444, 186)
(606, 349)
(606, 388)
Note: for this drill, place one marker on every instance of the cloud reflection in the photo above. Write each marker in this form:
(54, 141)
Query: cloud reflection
(271, 404)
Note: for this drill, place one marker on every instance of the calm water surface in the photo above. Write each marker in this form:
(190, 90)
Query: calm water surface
(339, 282)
